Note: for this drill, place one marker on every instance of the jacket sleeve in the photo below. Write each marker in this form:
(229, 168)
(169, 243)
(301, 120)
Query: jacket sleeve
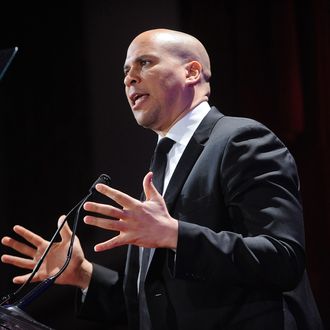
(259, 187)
(104, 300)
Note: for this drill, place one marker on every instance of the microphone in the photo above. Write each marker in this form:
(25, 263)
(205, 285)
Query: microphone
(46, 283)
(103, 178)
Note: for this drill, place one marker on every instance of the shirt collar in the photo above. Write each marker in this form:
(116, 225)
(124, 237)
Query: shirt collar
(182, 131)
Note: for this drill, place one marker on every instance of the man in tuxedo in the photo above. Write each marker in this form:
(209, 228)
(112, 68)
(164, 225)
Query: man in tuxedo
(218, 241)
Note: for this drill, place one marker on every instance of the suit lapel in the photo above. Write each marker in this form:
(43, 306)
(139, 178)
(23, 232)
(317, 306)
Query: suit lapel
(186, 163)
(189, 156)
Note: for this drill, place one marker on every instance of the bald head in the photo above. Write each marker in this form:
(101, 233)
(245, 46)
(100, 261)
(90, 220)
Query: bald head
(167, 75)
(179, 44)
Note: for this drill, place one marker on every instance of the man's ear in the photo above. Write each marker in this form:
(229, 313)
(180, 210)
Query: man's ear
(193, 72)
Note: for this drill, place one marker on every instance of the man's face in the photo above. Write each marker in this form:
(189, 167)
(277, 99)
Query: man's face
(155, 84)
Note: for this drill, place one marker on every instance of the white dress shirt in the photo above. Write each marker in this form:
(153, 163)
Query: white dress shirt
(181, 132)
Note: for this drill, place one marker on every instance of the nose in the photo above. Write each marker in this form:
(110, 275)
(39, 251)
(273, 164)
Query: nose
(131, 78)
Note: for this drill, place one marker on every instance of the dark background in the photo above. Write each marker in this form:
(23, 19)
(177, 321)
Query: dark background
(64, 118)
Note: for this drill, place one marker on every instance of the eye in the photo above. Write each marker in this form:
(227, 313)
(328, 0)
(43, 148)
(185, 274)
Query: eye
(126, 70)
(144, 62)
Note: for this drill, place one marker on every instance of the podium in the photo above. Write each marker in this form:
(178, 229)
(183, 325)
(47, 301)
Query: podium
(13, 318)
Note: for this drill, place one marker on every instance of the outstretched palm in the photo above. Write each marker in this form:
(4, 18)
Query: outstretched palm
(54, 260)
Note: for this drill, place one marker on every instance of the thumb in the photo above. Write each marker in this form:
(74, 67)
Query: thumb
(149, 189)
(65, 231)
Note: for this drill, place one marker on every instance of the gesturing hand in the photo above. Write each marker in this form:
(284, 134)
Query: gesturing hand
(77, 272)
(146, 223)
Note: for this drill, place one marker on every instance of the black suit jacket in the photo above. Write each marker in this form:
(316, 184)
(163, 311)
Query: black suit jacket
(240, 260)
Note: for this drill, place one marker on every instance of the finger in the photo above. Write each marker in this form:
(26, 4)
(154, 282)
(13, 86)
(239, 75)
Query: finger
(18, 261)
(107, 210)
(110, 244)
(22, 279)
(114, 225)
(18, 246)
(119, 197)
(28, 235)
(149, 189)
(61, 221)
(65, 232)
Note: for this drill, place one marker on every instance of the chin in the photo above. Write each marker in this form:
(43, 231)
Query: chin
(142, 123)
(142, 120)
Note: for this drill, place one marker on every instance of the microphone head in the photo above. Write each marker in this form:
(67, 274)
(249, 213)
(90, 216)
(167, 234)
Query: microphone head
(103, 178)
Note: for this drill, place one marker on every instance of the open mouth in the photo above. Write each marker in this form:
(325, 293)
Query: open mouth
(138, 98)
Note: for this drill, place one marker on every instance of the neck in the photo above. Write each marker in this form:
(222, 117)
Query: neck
(163, 132)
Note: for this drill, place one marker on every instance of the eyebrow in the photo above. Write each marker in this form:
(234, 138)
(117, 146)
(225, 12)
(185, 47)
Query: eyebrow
(138, 59)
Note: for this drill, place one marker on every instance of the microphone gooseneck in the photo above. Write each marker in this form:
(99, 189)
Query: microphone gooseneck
(46, 283)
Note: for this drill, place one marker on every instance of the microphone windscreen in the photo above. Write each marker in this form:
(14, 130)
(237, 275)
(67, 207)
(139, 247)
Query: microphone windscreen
(103, 178)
